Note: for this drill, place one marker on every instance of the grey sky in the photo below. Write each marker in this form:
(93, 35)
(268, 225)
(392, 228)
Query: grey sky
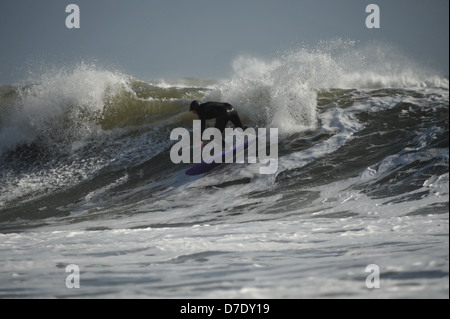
(200, 38)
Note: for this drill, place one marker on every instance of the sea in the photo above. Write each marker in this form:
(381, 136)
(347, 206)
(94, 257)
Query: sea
(91, 205)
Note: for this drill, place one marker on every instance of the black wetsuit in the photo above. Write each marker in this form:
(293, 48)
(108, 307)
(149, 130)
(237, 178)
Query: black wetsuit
(222, 112)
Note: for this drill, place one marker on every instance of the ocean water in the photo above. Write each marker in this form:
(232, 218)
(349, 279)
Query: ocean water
(363, 179)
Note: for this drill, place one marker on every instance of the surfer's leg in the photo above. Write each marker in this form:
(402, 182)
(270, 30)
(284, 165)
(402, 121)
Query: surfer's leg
(221, 123)
(235, 119)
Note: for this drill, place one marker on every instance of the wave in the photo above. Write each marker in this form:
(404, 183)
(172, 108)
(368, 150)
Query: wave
(58, 107)
(70, 105)
(363, 154)
(282, 92)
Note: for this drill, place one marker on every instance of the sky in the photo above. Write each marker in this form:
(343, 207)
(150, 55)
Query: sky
(151, 39)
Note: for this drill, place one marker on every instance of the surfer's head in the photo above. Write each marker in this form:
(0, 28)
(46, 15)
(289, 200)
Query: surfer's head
(194, 106)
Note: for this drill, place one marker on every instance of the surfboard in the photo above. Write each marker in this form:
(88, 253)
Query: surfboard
(204, 167)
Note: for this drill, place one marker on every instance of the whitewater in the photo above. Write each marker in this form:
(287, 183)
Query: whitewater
(363, 179)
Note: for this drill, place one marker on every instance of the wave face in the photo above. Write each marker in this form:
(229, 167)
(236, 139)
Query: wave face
(86, 178)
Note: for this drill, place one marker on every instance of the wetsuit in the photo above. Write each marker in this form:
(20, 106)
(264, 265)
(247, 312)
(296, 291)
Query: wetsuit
(222, 112)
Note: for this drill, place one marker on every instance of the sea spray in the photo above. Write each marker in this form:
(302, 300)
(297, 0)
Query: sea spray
(59, 108)
(282, 91)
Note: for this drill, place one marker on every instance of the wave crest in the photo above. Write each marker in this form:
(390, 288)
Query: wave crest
(282, 92)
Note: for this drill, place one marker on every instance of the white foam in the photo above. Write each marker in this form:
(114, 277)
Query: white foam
(58, 100)
(290, 258)
(282, 92)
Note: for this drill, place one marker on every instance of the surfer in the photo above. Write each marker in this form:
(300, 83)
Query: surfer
(222, 112)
